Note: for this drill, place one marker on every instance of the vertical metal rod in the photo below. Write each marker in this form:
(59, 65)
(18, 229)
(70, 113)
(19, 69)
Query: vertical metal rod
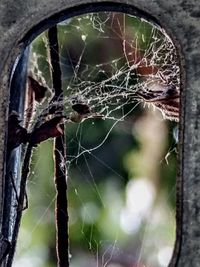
(17, 99)
(61, 212)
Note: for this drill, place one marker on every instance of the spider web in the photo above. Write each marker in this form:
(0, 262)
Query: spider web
(115, 56)
(106, 58)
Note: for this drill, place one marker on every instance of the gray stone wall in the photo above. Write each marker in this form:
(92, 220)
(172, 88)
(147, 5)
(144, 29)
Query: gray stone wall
(181, 19)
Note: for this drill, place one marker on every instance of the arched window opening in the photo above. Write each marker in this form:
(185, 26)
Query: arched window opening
(112, 80)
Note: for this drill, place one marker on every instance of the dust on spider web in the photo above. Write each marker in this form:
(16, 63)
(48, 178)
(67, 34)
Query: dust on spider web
(105, 58)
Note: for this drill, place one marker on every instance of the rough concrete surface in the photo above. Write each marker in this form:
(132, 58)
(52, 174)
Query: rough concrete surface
(181, 20)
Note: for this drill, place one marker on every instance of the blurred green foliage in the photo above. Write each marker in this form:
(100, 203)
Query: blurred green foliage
(104, 165)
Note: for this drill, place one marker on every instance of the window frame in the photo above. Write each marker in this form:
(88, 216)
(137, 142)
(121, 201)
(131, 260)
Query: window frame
(18, 29)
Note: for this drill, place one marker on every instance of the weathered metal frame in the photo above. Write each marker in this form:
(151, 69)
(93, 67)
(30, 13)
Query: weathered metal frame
(21, 20)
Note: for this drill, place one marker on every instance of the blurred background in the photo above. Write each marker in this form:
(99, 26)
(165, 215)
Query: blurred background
(122, 168)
